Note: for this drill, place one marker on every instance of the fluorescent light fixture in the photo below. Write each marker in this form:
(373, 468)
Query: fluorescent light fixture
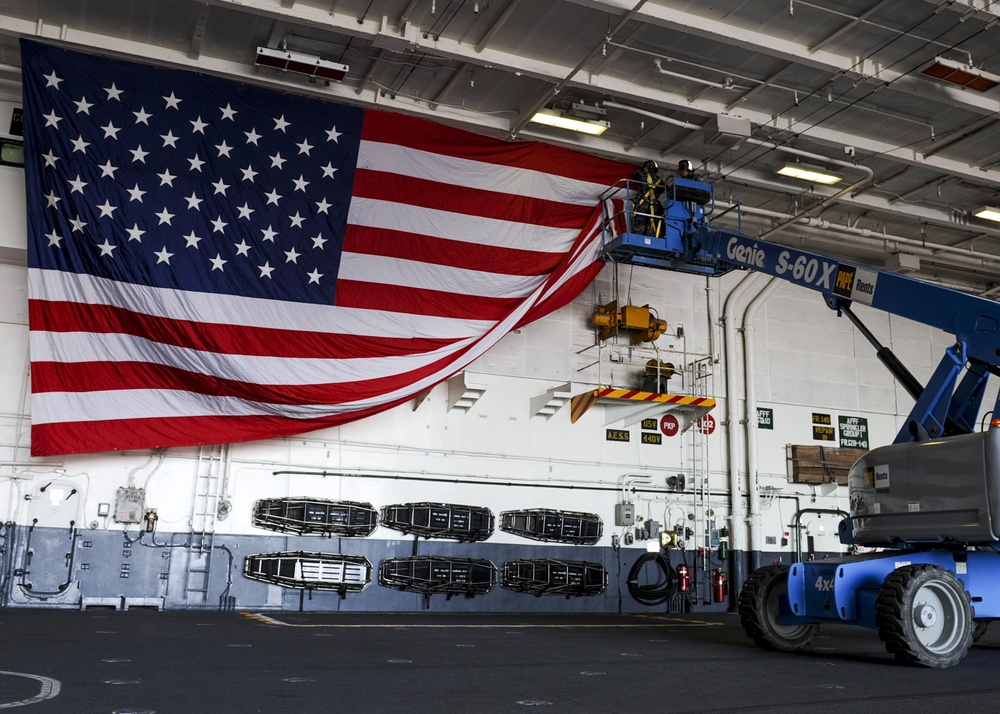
(810, 174)
(960, 74)
(562, 121)
(300, 63)
(989, 213)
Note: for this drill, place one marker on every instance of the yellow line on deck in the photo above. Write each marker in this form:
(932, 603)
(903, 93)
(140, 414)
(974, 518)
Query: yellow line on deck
(471, 626)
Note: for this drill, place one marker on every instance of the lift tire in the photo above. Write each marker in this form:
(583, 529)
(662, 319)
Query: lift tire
(925, 616)
(759, 611)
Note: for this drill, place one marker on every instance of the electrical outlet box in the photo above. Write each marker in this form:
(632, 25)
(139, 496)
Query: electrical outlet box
(668, 539)
(624, 514)
(129, 505)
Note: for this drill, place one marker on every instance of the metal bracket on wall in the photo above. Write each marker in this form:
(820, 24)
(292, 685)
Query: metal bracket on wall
(552, 401)
(463, 394)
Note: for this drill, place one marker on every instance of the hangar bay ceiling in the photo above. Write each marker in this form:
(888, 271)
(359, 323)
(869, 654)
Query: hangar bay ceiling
(898, 99)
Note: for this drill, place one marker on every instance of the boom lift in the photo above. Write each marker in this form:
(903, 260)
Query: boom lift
(929, 502)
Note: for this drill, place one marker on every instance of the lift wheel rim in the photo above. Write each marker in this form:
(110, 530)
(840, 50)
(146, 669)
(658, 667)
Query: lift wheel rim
(937, 613)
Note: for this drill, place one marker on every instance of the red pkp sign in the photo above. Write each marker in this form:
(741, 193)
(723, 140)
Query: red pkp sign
(669, 425)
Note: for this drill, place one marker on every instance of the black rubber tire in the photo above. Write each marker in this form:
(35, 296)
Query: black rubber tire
(925, 616)
(759, 603)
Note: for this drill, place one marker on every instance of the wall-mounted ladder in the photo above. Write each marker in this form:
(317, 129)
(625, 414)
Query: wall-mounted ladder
(698, 380)
(213, 462)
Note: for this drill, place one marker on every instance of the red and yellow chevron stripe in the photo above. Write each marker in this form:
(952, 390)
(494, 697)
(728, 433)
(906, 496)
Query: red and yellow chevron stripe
(582, 402)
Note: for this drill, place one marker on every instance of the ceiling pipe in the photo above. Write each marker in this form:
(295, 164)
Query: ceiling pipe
(869, 175)
(974, 231)
(707, 82)
(759, 142)
(766, 83)
(405, 16)
(652, 115)
(918, 247)
(963, 259)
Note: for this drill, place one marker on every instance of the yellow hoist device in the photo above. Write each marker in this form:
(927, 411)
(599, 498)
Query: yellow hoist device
(641, 322)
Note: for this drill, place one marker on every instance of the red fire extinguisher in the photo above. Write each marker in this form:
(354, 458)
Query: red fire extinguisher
(719, 586)
(683, 577)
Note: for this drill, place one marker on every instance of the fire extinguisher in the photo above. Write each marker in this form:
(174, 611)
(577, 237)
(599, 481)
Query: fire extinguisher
(718, 586)
(683, 577)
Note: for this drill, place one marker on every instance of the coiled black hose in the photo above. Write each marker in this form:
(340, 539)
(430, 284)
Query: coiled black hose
(655, 593)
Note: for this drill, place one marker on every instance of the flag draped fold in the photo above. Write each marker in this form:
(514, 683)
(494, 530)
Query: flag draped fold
(213, 262)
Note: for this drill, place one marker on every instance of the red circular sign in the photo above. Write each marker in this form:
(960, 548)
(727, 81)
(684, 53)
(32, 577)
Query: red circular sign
(706, 425)
(669, 425)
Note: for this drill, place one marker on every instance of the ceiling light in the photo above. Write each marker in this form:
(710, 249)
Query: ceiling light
(960, 74)
(561, 120)
(989, 213)
(810, 174)
(300, 63)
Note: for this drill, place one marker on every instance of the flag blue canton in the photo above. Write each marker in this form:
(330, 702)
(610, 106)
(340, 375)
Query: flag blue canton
(164, 178)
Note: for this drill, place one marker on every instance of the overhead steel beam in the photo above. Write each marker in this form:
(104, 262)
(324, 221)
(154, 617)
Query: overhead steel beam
(850, 25)
(760, 42)
(519, 124)
(198, 34)
(546, 71)
(665, 17)
(455, 79)
(986, 11)
(497, 25)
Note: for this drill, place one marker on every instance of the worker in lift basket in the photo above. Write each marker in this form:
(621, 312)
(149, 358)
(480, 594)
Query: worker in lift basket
(685, 169)
(647, 200)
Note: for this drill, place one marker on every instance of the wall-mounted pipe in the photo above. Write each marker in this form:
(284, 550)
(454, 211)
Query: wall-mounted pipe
(750, 423)
(737, 510)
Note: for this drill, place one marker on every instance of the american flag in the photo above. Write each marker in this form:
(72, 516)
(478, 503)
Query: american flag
(212, 262)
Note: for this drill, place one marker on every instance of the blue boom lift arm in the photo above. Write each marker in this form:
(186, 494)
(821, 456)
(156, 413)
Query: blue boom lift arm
(690, 243)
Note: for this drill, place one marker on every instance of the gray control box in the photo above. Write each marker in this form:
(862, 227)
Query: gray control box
(624, 514)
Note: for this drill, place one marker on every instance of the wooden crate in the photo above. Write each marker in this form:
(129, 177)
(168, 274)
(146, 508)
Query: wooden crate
(821, 464)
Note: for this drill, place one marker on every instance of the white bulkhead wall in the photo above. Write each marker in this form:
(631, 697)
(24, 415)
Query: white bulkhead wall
(496, 453)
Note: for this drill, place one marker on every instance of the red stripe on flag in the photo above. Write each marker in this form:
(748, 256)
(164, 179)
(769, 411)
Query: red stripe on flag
(112, 376)
(127, 434)
(425, 135)
(53, 316)
(453, 253)
(411, 191)
(421, 301)
(563, 295)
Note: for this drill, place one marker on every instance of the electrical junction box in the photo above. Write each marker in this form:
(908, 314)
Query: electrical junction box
(130, 505)
(902, 263)
(624, 514)
(726, 130)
